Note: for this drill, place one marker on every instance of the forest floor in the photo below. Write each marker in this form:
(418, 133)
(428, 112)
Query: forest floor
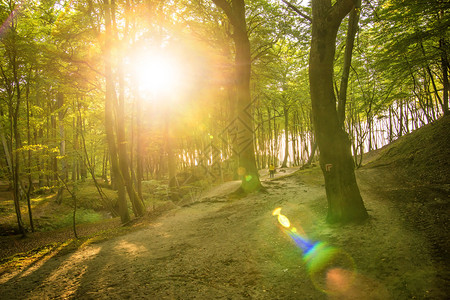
(220, 247)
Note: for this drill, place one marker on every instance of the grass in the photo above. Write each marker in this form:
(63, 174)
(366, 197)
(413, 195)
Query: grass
(83, 215)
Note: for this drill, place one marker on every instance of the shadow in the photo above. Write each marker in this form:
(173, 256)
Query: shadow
(23, 282)
(32, 263)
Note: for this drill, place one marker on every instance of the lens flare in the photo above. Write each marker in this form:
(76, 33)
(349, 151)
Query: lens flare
(331, 270)
(282, 219)
(276, 211)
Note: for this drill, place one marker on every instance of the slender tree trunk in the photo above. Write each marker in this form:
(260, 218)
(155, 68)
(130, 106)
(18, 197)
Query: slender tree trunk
(62, 146)
(391, 134)
(351, 33)
(139, 156)
(171, 163)
(344, 199)
(294, 142)
(84, 157)
(74, 214)
(427, 67)
(15, 139)
(286, 136)
(5, 148)
(445, 82)
(311, 155)
(30, 177)
(76, 149)
(270, 159)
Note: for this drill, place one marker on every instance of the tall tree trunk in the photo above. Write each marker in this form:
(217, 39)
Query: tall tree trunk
(286, 136)
(445, 69)
(62, 146)
(247, 165)
(15, 137)
(30, 177)
(124, 162)
(171, 163)
(84, 157)
(5, 148)
(391, 134)
(109, 118)
(139, 147)
(400, 131)
(270, 159)
(294, 135)
(311, 155)
(344, 199)
(76, 149)
(247, 162)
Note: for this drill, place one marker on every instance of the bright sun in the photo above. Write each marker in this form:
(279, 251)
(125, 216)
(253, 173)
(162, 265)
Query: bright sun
(157, 73)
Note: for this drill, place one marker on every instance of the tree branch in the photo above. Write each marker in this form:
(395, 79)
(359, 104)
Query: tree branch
(261, 50)
(340, 9)
(305, 16)
(227, 9)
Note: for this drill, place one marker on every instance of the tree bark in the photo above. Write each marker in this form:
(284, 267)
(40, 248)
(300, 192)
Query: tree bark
(109, 119)
(124, 161)
(62, 146)
(351, 33)
(445, 82)
(171, 161)
(344, 199)
(247, 163)
(15, 136)
(29, 175)
(286, 136)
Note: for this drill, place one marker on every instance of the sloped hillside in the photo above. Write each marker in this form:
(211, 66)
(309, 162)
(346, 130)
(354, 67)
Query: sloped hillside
(416, 181)
(421, 156)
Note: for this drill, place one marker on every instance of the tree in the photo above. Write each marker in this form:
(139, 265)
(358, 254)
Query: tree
(235, 12)
(415, 36)
(110, 100)
(344, 199)
(351, 32)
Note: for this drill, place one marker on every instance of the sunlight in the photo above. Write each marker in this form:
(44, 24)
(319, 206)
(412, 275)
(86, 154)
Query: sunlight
(157, 73)
(25, 267)
(129, 248)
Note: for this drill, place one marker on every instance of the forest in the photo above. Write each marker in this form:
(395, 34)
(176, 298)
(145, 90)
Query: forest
(124, 123)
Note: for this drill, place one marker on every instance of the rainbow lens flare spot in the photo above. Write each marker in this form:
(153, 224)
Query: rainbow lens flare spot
(331, 270)
(284, 221)
(276, 211)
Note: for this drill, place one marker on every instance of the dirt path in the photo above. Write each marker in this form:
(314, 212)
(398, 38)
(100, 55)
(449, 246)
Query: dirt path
(219, 248)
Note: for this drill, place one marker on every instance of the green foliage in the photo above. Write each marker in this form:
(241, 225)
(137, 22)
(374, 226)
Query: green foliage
(66, 220)
(88, 197)
(48, 50)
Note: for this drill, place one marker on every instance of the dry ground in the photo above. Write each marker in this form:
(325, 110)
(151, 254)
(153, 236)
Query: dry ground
(222, 248)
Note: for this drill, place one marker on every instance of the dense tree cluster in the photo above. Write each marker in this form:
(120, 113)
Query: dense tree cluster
(258, 82)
